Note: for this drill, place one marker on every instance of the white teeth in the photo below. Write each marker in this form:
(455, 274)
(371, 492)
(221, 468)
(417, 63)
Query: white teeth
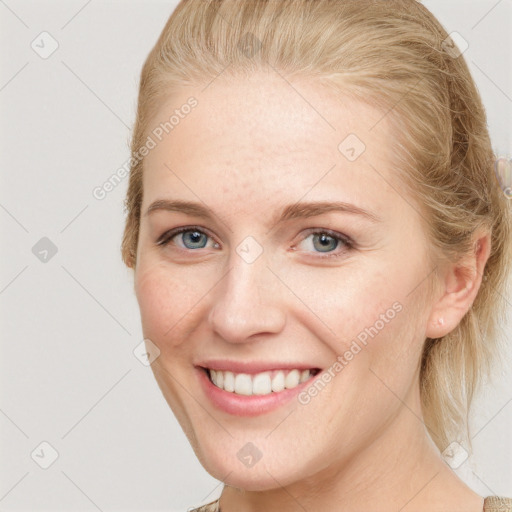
(220, 379)
(278, 382)
(259, 384)
(292, 379)
(229, 381)
(243, 384)
(304, 376)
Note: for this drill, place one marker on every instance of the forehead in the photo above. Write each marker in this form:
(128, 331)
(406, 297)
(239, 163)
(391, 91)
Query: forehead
(267, 136)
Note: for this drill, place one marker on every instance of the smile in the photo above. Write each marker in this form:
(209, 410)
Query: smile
(264, 383)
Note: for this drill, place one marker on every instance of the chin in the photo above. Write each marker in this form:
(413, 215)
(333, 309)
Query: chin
(259, 477)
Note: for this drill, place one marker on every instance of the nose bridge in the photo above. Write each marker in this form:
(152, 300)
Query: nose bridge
(247, 301)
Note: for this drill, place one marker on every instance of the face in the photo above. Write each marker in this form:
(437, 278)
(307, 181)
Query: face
(261, 278)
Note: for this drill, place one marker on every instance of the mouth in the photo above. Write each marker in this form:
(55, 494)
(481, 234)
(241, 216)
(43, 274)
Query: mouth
(260, 384)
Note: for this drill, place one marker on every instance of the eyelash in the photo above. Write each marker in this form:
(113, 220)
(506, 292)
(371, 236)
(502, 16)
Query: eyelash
(346, 241)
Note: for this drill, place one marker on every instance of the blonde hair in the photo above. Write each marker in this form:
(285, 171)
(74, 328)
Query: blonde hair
(392, 54)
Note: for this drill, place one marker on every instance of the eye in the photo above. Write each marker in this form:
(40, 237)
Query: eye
(187, 237)
(318, 240)
(327, 241)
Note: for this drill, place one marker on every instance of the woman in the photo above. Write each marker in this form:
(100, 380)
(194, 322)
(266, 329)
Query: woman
(320, 250)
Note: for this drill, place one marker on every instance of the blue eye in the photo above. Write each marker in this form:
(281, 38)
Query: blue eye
(191, 238)
(323, 241)
(195, 238)
(326, 241)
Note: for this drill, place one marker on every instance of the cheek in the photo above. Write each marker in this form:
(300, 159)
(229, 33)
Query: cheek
(387, 346)
(167, 300)
(371, 313)
(347, 299)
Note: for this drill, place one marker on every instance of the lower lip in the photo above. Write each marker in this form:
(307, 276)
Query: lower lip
(243, 405)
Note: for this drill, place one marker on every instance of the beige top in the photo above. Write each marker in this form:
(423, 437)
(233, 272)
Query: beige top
(491, 504)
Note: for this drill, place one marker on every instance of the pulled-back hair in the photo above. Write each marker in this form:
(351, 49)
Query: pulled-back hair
(395, 56)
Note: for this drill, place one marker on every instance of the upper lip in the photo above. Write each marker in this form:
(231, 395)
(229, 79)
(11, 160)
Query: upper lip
(252, 367)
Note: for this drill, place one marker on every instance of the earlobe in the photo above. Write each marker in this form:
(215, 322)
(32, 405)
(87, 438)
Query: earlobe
(460, 284)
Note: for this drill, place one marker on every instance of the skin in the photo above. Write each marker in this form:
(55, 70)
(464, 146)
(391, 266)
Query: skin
(251, 147)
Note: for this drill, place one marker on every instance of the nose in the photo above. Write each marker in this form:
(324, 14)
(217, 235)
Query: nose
(247, 302)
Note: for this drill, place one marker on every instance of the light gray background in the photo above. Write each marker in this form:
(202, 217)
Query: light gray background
(69, 326)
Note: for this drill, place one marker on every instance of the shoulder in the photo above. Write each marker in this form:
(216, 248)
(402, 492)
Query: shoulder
(497, 504)
(213, 507)
(491, 504)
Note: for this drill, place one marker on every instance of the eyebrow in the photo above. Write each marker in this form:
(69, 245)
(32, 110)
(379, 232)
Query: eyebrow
(292, 211)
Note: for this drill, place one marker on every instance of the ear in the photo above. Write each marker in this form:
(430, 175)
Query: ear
(459, 286)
